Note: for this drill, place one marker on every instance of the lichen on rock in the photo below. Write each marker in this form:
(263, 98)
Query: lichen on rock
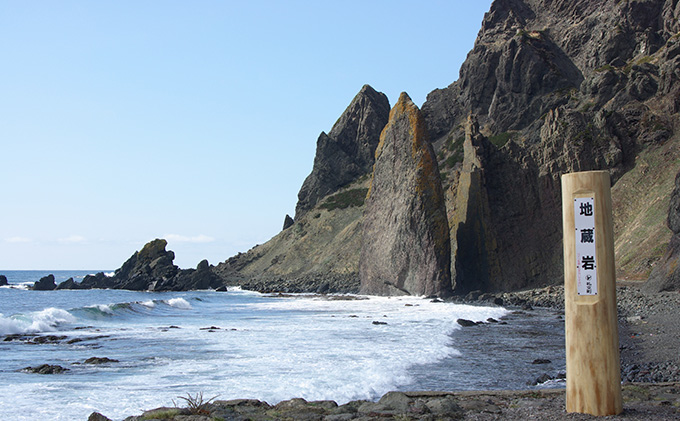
(405, 245)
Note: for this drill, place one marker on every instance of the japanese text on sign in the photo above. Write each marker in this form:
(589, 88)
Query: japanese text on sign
(586, 265)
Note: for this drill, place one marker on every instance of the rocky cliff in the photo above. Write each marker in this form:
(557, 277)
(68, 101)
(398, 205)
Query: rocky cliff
(556, 87)
(550, 87)
(347, 151)
(150, 269)
(405, 244)
(319, 249)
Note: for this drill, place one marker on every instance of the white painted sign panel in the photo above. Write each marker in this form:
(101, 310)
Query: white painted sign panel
(586, 264)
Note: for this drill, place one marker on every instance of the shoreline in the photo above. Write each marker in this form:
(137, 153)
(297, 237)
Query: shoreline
(649, 336)
(642, 401)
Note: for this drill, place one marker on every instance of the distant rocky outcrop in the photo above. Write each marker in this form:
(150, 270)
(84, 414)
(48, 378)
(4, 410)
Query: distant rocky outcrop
(151, 269)
(666, 274)
(69, 284)
(3, 280)
(405, 245)
(347, 152)
(46, 283)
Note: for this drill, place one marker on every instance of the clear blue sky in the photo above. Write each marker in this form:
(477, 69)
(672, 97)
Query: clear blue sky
(194, 121)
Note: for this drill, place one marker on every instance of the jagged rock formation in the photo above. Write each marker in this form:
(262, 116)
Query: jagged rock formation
(666, 274)
(405, 245)
(288, 222)
(556, 87)
(320, 250)
(347, 151)
(151, 269)
(46, 283)
(553, 86)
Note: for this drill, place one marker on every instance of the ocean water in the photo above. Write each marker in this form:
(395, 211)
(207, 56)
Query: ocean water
(241, 344)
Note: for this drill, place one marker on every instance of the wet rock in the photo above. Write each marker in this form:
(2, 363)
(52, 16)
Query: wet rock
(46, 283)
(466, 322)
(3, 280)
(541, 361)
(69, 284)
(98, 360)
(46, 369)
(96, 416)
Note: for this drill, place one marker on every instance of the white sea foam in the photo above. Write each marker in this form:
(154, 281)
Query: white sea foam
(104, 308)
(264, 347)
(42, 321)
(180, 303)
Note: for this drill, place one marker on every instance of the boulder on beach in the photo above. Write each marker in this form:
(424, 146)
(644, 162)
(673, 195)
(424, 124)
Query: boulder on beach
(46, 283)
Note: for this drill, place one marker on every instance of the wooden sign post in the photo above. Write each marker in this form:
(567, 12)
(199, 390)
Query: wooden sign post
(591, 329)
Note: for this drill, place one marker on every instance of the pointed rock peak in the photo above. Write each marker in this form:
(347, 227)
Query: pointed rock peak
(153, 249)
(405, 246)
(347, 152)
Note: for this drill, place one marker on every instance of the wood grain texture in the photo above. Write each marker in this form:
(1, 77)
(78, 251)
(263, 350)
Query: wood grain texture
(592, 341)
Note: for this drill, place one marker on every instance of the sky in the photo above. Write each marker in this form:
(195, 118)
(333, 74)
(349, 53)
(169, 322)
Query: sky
(123, 121)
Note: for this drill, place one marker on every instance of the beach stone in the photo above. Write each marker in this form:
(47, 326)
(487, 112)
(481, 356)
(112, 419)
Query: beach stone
(46, 369)
(96, 416)
(446, 405)
(98, 360)
(46, 283)
(466, 322)
(405, 248)
(397, 401)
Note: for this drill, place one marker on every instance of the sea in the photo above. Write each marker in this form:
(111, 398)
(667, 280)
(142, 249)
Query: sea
(243, 344)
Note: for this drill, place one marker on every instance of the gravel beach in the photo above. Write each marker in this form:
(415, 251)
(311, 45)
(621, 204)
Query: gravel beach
(649, 334)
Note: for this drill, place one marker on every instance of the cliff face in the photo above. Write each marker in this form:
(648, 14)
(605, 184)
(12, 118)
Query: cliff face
(405, 245)
(556, 86)
(550, 87)
(347, 151)
(320, 249)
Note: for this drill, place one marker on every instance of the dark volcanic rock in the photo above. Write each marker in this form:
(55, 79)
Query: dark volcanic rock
(554, 90)
(3, 280)
(147, 268)
(405, 245)
(100, 360)
(348, 151)
(98, 280)
(466, 323)
(152, 269)
(666, 274)
(46, 369)
(200, 278)
(69, 284)
(288, 222)
(46, 283)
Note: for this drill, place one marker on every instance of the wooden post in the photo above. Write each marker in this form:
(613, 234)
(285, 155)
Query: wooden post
(591, 329)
